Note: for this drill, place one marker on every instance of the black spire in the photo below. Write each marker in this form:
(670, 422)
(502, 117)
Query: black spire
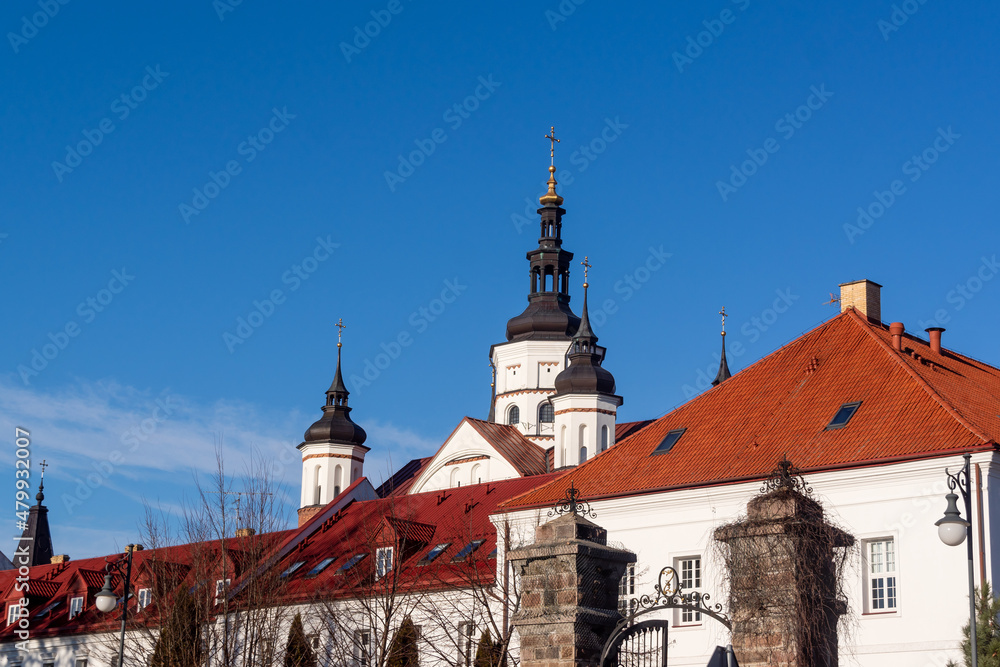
(35, 547)
(584, 374)
(724, 373)
(336, 424)
(548, 315)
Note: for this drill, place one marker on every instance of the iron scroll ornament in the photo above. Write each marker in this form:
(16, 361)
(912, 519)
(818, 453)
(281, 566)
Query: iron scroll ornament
(571, 503)
(668, 595)
(786, 476)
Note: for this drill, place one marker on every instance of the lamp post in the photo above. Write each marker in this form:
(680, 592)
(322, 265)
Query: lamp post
(107, 600)
(953, 529)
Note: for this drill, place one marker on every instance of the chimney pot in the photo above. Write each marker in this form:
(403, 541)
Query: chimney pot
(896, 329)
(61, 558)
(864, 296)
(934, 334)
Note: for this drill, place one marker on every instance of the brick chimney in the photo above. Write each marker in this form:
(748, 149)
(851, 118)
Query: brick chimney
(934, 333)
(864, 297)
(60, 558)
(245, 532)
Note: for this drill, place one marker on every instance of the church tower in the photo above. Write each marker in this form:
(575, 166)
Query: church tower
(537, 340)
(35, 545)
(585, 404)
(333, 449)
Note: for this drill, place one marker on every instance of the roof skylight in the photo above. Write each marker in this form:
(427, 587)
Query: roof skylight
(351, 562)
(669, 440)
(434, 553)
(843, 416)
(322, 565)
(292, 568)
(467, 550)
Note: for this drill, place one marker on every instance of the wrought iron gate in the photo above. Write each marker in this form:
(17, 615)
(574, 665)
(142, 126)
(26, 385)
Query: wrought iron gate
(646, 643)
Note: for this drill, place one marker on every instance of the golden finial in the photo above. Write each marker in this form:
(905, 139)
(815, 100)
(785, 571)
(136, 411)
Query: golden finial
(551, 197)
(340, 333)
(724, 316)
(586, 271)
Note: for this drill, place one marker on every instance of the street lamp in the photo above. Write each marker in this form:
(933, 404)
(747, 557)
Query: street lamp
(953, 529)
(107, 600)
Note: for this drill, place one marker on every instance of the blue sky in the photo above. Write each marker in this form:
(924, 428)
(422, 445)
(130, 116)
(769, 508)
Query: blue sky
(170, 170)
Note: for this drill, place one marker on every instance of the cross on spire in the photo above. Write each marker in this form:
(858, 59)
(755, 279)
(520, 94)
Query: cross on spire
(43, 465)
(340, 333)
(586, 270)
(552, 150)
(724, 316)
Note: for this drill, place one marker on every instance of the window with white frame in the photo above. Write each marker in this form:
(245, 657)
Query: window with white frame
(314, 641)
(12, 612)
(383, 561)
(145, 598)
(626, 591)
(880, 567)
(689, 577)
(363, 648)
(81, 662)
(465, 639)
(75, 607)
(221, 586)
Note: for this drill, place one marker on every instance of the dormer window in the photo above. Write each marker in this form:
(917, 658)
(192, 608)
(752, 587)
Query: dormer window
(669, 440)
(221, 585)
(383, 561)
(75, 607)
(843, 416)
(145, 598)
(12, 613)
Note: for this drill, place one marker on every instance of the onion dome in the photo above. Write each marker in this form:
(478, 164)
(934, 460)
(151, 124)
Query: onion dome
(335, 424)
(585, 375)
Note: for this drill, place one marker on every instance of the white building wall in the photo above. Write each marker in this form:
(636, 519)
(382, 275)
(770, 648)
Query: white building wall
(900, 501)
(466, 458)
(580, 419)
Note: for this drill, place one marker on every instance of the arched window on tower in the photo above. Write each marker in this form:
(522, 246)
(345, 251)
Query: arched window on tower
(477, 474)
(546, 414)
(338, 480)
(562, 448)
(453, 482)
(318, 493)
(354, 475)
(604, 437)
(514, 415)
(583, 454)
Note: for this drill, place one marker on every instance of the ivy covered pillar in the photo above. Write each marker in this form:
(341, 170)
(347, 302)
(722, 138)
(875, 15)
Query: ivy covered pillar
(569, 582)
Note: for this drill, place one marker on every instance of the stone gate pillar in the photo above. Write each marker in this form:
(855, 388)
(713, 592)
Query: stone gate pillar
(569, 599)
(782, 577)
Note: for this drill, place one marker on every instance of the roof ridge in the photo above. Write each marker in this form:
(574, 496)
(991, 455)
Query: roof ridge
(479, 425)
(921, 382)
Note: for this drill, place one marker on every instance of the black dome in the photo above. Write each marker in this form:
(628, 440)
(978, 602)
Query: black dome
(543, 319)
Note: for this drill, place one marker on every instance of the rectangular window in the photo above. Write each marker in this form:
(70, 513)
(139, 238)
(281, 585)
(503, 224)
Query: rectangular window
(292, 568)
(435, 552)
(669, 440)
(114, 661)
(881, 569)
(221, 586)
(48, 663)
(351, 562)
(465, 653)
(363, 648)
(12, 612)
(322, 565)
(75, 607)
(314, 642)
(266, 655)
(383, 561)
(467, 550)
(145, 597)
(626, 591)
(689, 578)
(81, 662)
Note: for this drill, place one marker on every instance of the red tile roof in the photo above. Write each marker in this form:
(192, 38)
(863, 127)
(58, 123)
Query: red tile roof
(526, 457)
(625, 429)
(914, 404)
